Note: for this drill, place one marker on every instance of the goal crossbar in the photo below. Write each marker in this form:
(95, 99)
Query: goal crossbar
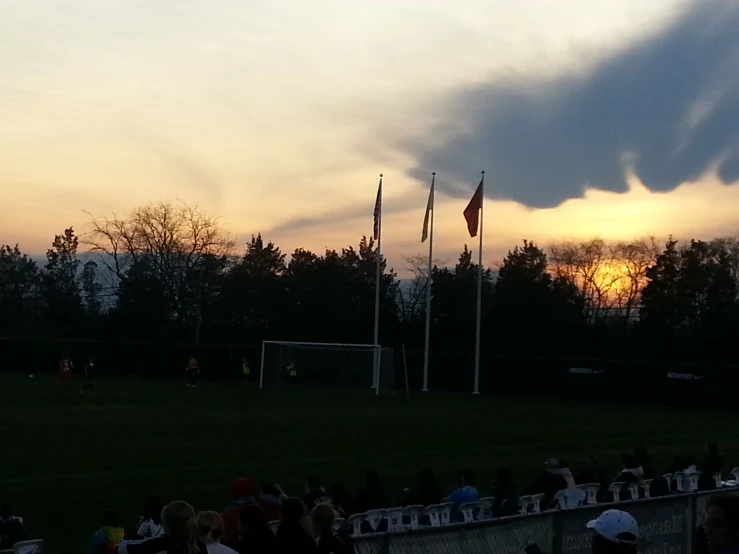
(331, 344)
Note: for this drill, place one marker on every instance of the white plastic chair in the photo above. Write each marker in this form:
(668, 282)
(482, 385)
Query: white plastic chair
(374, 518)
(355, 521)
(536, 502)
(568, 498)
(646, 485)
(717, 480)
(615, 490)
(440, 514)
(690, 482)
(395, 520)
(524, 502)
(468, 511)
(485, 506)
(633, 490)
(677, 478)
(28, 547)
(415, 513)
(591, 492)
(734, 481)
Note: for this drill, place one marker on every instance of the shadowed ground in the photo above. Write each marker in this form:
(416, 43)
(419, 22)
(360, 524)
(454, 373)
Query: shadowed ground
(66, 459)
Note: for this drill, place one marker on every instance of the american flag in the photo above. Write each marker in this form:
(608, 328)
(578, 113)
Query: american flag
(378, 210)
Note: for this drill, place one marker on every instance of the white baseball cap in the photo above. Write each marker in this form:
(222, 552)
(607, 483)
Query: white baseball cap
(616, 526)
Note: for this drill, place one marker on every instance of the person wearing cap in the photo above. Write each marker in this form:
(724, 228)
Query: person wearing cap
(243, 493)
(614, 532)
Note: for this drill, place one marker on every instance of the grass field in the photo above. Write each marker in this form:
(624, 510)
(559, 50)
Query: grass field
(64, 460)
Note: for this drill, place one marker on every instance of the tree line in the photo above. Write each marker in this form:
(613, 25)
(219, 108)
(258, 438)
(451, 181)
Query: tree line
(171, 273)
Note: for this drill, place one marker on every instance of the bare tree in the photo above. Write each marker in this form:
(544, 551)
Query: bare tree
(610, 277)
(633, 258)
(172, 240)
(412, 292)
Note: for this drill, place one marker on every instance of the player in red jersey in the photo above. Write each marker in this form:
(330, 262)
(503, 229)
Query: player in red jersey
(65, 374)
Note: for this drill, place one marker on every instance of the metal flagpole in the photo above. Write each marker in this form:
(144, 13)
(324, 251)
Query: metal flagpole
(479, 291)
(378, 276)
(428, 291)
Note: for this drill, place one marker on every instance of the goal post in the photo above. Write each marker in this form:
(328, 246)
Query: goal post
(325, 364)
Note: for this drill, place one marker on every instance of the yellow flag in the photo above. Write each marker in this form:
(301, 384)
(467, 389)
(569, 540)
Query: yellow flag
(429, 209)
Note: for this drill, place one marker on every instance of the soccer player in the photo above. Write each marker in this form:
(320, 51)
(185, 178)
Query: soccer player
(65, 374)
(292, 373)
(89, 376)
(192, 372)
(245, 369)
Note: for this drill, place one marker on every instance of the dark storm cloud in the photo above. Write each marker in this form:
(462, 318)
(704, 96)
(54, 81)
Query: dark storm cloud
(672, 102)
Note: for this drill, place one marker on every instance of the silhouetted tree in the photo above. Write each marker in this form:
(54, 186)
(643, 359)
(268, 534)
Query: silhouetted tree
(533, 312)
(91, 288)
(171, 241)
(19, 286)
(689, 302)
(253, 294)
(64, 311)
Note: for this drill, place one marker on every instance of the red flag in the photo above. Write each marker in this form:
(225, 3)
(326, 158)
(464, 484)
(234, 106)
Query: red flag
(472, 211)
(378, 211)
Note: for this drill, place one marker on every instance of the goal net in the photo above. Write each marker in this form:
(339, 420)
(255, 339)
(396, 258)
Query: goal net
(318, 364)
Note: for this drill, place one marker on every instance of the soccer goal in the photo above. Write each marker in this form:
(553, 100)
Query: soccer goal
(361, 366)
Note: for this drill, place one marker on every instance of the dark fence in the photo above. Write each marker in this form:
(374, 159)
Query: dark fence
(666, 524)
(608, 380)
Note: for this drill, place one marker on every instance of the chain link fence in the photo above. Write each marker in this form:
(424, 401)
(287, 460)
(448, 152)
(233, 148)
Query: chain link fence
(666, 524)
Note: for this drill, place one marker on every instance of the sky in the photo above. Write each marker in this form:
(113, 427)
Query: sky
(599, 118)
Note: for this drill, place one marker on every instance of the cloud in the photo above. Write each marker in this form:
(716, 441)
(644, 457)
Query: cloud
(183, 166)
(348, 213)
(667, 106)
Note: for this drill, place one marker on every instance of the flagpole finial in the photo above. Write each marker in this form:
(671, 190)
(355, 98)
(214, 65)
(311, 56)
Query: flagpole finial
(483, 172)
(380, 175)
(433, 173)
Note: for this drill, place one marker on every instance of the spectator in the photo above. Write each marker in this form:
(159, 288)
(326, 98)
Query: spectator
(713, 464)
(505, 501)
(642, 459)
(428, 491)
(292, 538)
(242, 494)
(614, 532)
(270, 501)
(371, 497)
(210, 531)
(315, 493)
(327, 540)
(150, 523)
(689, 465)
(551, 481)
(342, 500)
(631, 473)
(180, 534)
(722, 524)
(255, 536)
(466, 492)
(11, 528)
(592, 473)
(109, 536)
